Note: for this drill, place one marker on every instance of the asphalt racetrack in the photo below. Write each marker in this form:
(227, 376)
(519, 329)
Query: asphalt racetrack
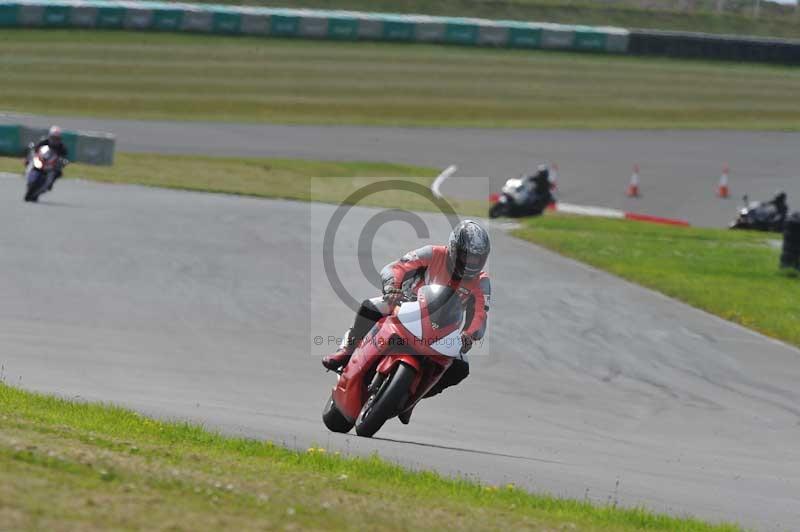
(205, 307)
(680, 170)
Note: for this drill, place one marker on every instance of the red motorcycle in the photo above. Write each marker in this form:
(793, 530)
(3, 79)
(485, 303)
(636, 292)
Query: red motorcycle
(398, 362)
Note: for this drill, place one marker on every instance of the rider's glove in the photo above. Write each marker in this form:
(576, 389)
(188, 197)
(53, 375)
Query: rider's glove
(392, 294)
(466, 343)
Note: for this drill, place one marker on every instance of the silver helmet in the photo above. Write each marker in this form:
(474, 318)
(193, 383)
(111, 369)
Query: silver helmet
(467, 250)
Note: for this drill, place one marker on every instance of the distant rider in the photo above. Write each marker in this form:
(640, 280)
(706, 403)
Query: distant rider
(779, 202)
(459, 264)
(55, 142)
(539, 195)
(540, 180)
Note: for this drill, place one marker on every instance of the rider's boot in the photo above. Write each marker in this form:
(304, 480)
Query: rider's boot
(338, 360)
(366, 317)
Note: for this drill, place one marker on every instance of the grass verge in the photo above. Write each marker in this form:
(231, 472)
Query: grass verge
(242, 79)
(323, 181)
(733, 274)
(70, 465)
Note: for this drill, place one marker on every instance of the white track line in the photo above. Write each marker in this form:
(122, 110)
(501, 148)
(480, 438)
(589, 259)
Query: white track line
(585, 210)
(437, 183)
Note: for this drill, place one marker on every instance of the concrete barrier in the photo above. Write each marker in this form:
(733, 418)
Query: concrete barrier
(306, 23)
(350, 25)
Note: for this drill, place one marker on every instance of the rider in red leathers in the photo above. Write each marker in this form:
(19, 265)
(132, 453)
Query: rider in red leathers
(459, 264)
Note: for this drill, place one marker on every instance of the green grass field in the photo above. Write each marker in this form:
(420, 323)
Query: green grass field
(190, 77)
(73, 466)
(736, 18)
(732, 274)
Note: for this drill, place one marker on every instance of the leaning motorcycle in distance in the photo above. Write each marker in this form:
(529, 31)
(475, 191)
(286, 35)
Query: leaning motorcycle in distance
(522, 196)
(759, 216)
(40, 172)
(401, 359)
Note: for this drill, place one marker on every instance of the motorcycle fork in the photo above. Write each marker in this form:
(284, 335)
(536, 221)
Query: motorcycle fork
(376, 383)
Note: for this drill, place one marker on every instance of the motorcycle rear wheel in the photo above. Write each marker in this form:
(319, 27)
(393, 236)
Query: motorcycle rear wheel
(334, 419)
(386, 402)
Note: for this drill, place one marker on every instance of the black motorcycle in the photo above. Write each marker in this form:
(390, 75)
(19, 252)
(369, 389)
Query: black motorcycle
(523, 196)
(758, 216)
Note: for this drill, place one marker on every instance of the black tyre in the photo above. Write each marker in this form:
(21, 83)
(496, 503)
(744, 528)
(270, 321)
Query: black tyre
(30, 194)
(35, 189)
(497, 210)
(333, 419)
(386, 402)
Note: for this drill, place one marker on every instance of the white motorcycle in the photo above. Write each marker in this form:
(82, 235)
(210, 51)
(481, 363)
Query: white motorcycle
(41, 171)
(523, 196)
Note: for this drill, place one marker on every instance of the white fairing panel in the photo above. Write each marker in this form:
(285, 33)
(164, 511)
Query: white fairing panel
(410, 316)
(450, 345)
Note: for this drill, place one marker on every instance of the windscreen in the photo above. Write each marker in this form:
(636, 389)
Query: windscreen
(443, 305)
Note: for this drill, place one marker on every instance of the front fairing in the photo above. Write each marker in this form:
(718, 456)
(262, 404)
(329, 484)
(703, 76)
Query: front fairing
(425, 334)
(429, 340)
(350, 390)
(32, 173)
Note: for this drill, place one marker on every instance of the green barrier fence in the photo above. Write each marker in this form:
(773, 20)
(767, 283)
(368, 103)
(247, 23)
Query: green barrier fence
(348, 25)
(83, 147)
(109, 17)
(524, 38)
(226, 23)
(306, 23)
(343, 28)
(284, 26)
(10, 142)
(9, 15)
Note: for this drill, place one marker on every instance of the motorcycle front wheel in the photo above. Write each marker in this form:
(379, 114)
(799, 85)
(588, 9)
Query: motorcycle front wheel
(386, 402)
(334, 419)
(34, 189)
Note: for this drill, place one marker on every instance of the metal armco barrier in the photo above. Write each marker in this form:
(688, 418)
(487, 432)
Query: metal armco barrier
(83, 147)
(307, 23)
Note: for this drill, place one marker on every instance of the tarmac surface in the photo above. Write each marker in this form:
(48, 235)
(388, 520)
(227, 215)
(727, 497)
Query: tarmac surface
(680, 170)
(206, 307)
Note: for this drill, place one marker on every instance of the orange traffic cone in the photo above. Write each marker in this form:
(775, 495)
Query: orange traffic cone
(633, 187)
(722, 190)
(553, 176)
